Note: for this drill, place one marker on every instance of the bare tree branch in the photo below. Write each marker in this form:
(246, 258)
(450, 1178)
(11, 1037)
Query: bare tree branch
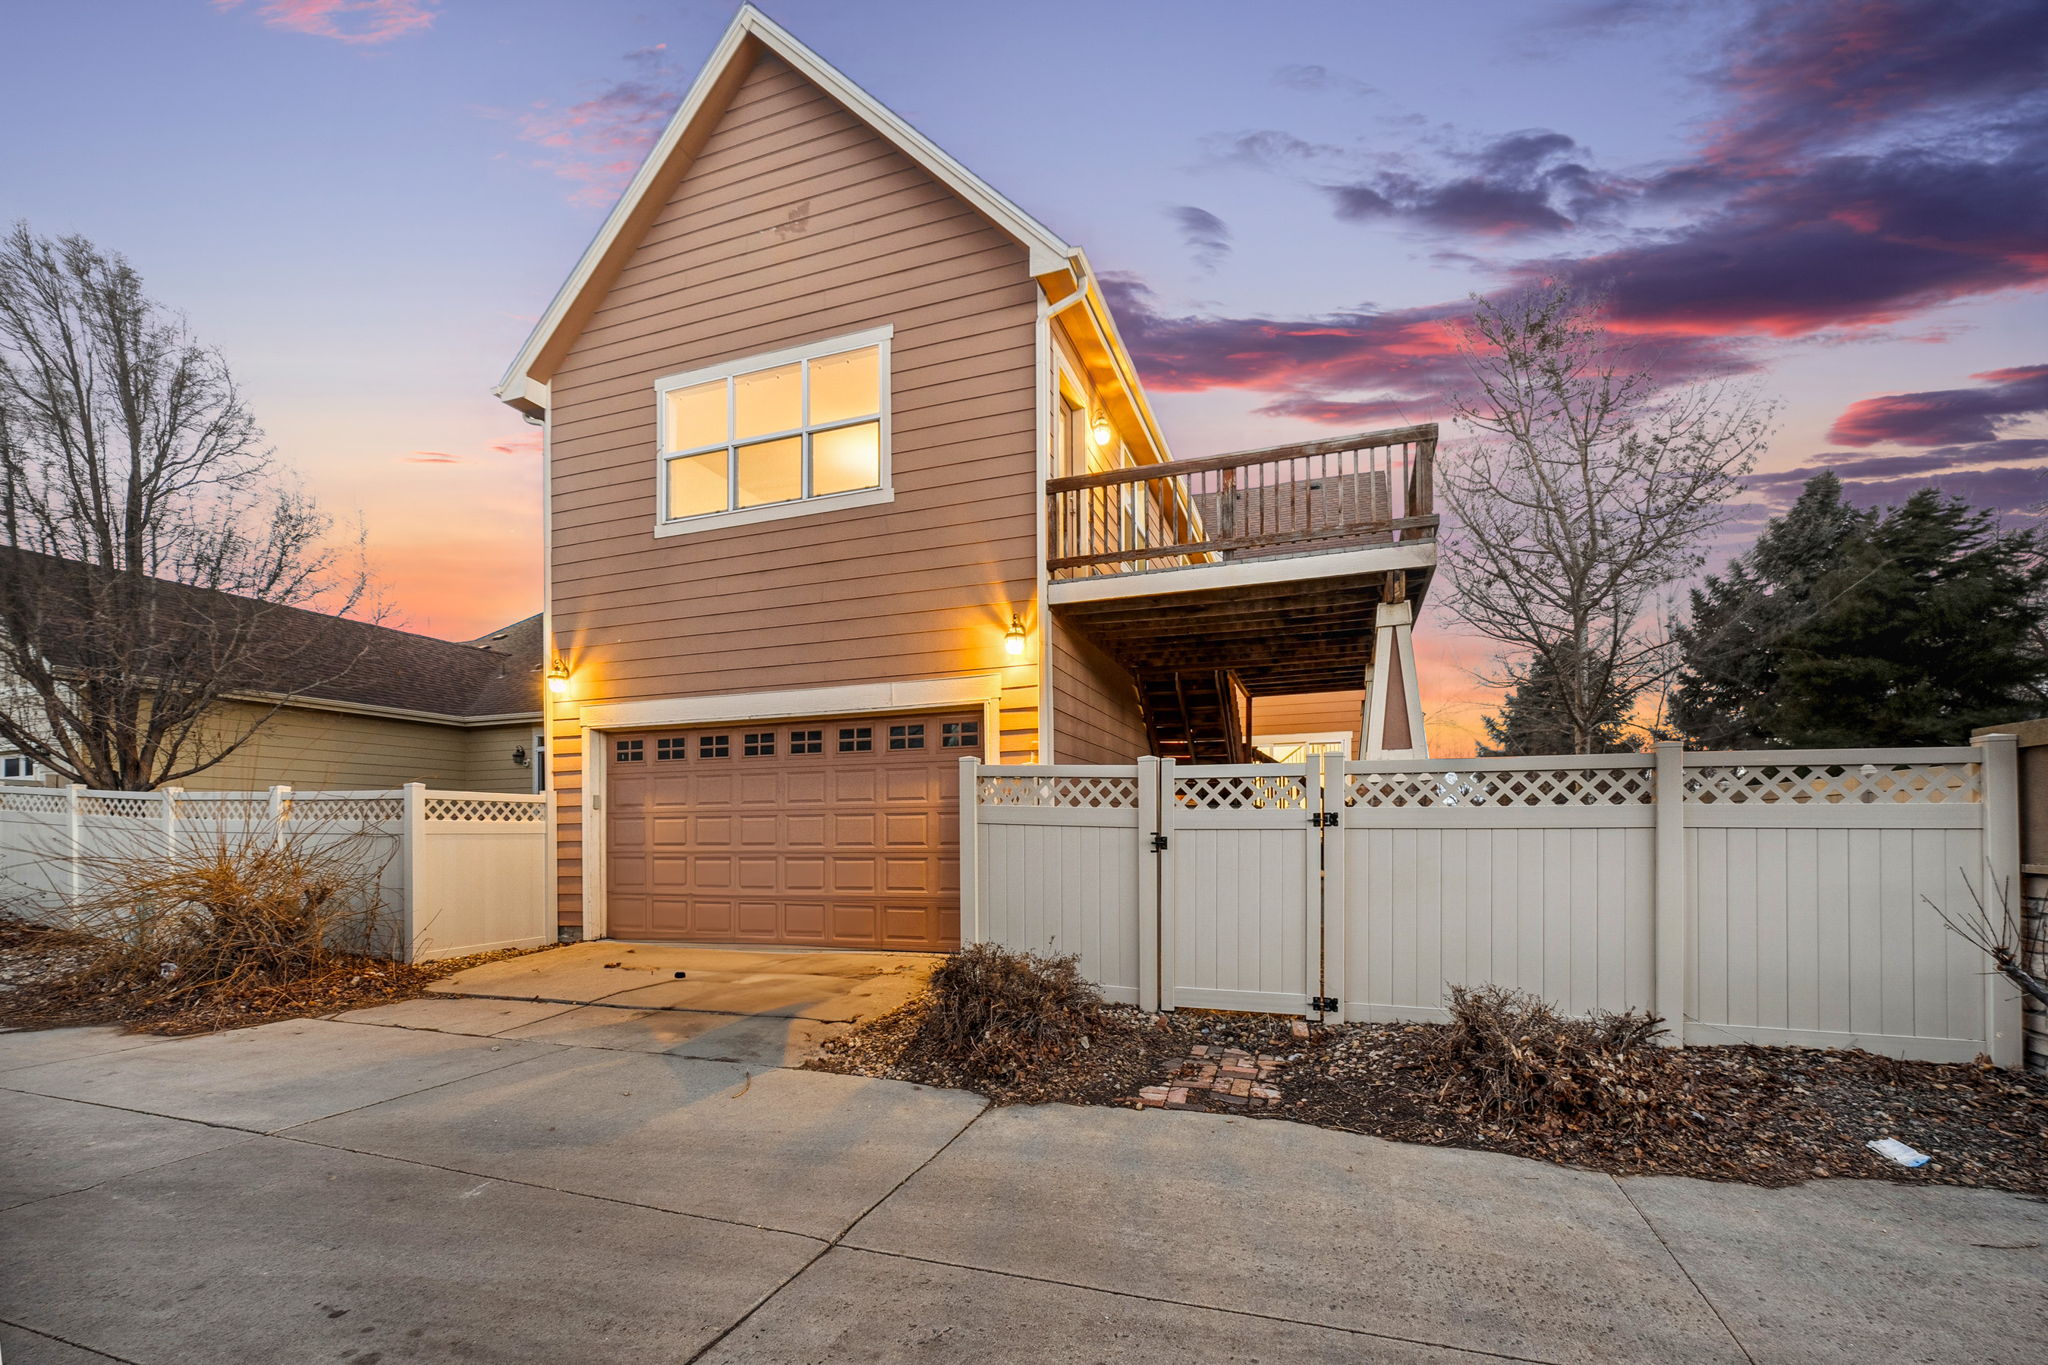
(130, 466)
(1586, 491)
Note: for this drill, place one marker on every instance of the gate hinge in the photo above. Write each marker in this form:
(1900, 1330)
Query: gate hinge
(1323, 1004)
(1323, 819)
(1159, 843)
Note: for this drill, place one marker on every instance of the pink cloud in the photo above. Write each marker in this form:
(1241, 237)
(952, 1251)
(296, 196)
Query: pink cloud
(346, 21)
(431, 457)
(598, 143)
(1947, 416)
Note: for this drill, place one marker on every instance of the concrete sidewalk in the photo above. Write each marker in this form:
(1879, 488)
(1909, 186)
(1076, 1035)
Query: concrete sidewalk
(451, 1179)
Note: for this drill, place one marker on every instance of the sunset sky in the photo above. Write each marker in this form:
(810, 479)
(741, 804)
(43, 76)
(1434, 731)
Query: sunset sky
(365, 203)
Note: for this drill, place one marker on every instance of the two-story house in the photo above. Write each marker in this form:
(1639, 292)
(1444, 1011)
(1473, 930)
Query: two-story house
(848, 476)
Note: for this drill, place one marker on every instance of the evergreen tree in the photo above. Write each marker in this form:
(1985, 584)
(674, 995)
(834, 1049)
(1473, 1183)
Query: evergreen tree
(1847, 628)
(1535, 720)
(1732, 648)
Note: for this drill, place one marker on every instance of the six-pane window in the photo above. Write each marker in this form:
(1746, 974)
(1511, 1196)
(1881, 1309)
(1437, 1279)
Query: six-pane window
(760, 745)
(857, 740)
(629, 751)
(714, 746)
(807, 741)
(807, 428)
(906, 736)
(960, 734)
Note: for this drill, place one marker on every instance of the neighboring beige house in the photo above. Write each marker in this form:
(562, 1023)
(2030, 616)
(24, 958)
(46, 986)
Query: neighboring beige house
(849, 476)
(371, 708)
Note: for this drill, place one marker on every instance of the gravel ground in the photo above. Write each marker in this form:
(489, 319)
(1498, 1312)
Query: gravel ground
(1764, 1116)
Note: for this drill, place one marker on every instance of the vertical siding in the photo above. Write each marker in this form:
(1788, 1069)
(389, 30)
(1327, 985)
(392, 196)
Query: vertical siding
(1463, 901)
(797, 223)
(1095, 705)
(1829, 931)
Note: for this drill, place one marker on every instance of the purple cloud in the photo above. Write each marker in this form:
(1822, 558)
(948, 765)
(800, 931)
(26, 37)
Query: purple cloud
(1946, 416)
(1527, 182)
(1206, 236)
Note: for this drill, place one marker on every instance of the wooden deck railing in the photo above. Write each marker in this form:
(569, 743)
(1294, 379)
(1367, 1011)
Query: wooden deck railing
(1353, 491)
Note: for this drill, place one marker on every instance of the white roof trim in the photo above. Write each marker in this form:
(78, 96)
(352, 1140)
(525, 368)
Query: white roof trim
(1048, 252)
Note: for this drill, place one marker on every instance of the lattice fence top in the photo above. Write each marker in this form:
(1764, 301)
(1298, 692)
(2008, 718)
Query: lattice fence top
(1498, 788)
(43, 802)
(223, 808)
(367, 809)
(1241, 793)
(481, 810)
(124, 807)
(1900, 784)
(1070, 793)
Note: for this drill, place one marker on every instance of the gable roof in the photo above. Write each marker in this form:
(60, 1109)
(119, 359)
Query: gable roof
(312, 657)
(751, 33)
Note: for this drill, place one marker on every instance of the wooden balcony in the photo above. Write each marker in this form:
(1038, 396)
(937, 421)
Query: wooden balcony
(1218, 581)
(1317, 497)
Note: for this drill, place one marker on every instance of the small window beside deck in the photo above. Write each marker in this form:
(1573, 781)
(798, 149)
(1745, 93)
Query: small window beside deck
(793, 431)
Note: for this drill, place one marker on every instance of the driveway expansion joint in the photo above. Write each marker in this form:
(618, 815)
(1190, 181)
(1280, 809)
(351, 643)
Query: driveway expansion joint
(1684, 1270)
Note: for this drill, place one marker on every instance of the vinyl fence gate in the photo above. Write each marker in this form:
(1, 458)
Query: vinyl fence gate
(1774, 897)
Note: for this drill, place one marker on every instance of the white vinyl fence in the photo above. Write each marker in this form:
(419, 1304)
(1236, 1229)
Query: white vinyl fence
(1779, 897)
(463, 872)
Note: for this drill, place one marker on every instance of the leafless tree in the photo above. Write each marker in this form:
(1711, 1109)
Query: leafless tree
(150, 547)
(1588, 488)
(2005, 936)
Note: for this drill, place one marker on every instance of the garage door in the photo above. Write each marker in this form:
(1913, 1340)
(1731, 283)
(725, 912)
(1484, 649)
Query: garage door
(832, 833)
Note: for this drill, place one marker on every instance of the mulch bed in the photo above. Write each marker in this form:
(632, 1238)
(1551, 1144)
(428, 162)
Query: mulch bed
(34, 959)
(1764, 1116)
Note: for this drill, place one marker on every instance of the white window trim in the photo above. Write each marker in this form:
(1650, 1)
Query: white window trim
(878, 337)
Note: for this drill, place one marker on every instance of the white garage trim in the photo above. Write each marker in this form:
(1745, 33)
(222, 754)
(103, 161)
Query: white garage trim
(599, 720)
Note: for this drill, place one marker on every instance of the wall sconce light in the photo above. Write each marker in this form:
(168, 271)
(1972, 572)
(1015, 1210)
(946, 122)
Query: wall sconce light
(1100, 431)
(519, 755)
(558, 676)
(1013, 639)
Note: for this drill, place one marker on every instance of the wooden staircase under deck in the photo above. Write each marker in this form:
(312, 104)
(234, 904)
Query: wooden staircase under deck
(1197, 715)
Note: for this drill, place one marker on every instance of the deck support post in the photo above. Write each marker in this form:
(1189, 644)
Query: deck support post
(1393, 708)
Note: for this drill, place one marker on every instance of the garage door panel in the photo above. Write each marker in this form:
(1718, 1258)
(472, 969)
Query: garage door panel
(853, 874)
(742, 833)
(855, 831)
(907, 829)
(855, 786)
(803, 874)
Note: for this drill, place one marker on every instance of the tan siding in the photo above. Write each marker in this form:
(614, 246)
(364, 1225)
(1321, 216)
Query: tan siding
(1094, 704)
(922, 586)
(337, 751)
(1310, 713)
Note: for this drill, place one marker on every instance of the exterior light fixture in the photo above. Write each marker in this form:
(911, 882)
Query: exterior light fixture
(1013, 639)
(1100, 430)
(558, 676)
(519, 755)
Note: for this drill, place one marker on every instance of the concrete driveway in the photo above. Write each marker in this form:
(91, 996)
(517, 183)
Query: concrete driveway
(483, 1179)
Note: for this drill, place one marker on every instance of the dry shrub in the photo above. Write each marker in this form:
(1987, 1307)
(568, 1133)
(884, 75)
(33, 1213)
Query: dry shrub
(235, 915)
(991, 1015)
(1514, 1059)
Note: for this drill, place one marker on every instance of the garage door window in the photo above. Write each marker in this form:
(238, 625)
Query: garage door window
(807, 741)
(630, 751)
(906, 736)
(759, 745)
(857, 739)
(671, 749)
(714, 746)
(965, 734)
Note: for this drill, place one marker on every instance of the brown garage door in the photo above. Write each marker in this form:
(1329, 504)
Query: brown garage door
(836, 833)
